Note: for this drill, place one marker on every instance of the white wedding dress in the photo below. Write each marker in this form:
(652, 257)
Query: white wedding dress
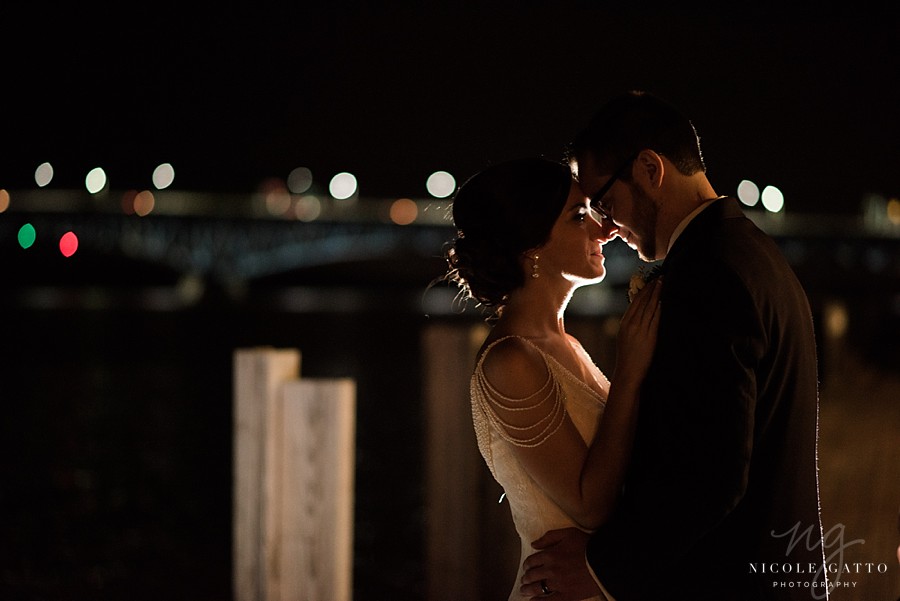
(533, 512)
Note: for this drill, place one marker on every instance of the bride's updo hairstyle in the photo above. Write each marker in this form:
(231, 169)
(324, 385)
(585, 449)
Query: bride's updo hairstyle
(501, 213)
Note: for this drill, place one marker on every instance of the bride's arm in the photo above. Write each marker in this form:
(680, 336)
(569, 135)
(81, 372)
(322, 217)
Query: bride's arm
(525, 405)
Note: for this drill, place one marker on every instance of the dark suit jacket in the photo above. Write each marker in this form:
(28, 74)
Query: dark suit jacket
(721, 499)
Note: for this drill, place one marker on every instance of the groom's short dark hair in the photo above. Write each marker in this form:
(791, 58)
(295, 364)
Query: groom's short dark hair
(631, 122)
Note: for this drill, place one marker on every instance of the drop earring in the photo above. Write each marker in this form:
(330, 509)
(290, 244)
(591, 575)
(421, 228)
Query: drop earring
(534, 267)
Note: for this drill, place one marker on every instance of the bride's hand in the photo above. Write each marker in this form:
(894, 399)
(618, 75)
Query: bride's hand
(636, 340)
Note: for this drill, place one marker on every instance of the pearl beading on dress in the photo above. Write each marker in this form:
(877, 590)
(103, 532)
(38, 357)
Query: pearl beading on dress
(487, 398)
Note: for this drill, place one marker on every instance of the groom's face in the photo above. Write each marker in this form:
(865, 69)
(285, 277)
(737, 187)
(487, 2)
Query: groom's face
(621, 200)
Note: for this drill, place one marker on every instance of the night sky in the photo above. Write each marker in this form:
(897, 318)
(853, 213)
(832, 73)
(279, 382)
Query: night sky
(807, 103)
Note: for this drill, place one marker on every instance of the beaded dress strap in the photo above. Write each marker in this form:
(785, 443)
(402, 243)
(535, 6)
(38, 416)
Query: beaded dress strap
(488, 398)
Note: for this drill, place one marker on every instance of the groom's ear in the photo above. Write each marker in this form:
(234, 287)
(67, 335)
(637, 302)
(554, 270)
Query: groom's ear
(650, 167)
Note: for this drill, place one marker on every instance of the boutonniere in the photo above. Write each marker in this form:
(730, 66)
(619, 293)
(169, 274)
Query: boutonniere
(641, 278)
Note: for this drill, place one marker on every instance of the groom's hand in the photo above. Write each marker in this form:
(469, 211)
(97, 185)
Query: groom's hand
(559, 566)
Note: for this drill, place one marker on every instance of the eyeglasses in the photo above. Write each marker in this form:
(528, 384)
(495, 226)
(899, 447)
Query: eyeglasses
(597, 197)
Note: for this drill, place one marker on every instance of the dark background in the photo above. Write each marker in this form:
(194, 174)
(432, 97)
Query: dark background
(115, 477)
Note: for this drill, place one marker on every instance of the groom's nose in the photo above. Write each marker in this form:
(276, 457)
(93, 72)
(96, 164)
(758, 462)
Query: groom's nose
(604, 229)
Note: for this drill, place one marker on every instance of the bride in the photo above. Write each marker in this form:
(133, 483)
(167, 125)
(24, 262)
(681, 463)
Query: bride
(555, 433)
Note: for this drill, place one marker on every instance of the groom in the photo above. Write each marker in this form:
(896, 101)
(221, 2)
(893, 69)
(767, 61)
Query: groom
(721, 499)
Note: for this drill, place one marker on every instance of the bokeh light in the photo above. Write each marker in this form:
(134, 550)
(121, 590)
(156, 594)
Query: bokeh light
(343, 185)
(68, 244)
(893, 211)
(299, 180)
(772, 199)
(403, 211)
(836, 318)
(144, 202)
(4, 200)
(308, 208)
(27, 235)
(43, 175)
(276, 196)
(190, 288)
(163, 176)
(128, 201)
(748, 193)
(440, 184)
(95, 180)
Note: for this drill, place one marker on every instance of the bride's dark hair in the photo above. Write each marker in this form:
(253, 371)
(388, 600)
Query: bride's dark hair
(500, 213)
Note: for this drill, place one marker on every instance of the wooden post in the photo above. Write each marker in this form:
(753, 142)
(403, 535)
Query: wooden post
(318, 486)
(294, 460)
(453, 465)
(471, 542)
(258, 376)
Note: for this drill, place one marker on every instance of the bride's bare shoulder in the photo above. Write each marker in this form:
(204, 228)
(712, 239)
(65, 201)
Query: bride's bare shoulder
(513, 365)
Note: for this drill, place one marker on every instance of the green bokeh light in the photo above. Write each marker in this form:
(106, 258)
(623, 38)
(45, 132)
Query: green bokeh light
(27, 235)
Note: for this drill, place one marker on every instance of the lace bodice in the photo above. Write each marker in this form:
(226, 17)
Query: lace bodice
(533, 512)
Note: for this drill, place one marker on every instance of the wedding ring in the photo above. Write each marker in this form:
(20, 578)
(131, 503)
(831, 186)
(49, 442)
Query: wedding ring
(544, 588)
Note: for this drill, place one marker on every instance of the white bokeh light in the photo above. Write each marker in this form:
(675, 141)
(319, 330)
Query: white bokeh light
(163, 176)
(748, 193)
(772, 199)
(43, 175)
(440, 184)
(95, 180)
(343, 185)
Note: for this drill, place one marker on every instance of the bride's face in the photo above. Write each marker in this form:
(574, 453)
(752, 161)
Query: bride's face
(575, 247)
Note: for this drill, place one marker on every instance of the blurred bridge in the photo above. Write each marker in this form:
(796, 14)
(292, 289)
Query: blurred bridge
(192, 242)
